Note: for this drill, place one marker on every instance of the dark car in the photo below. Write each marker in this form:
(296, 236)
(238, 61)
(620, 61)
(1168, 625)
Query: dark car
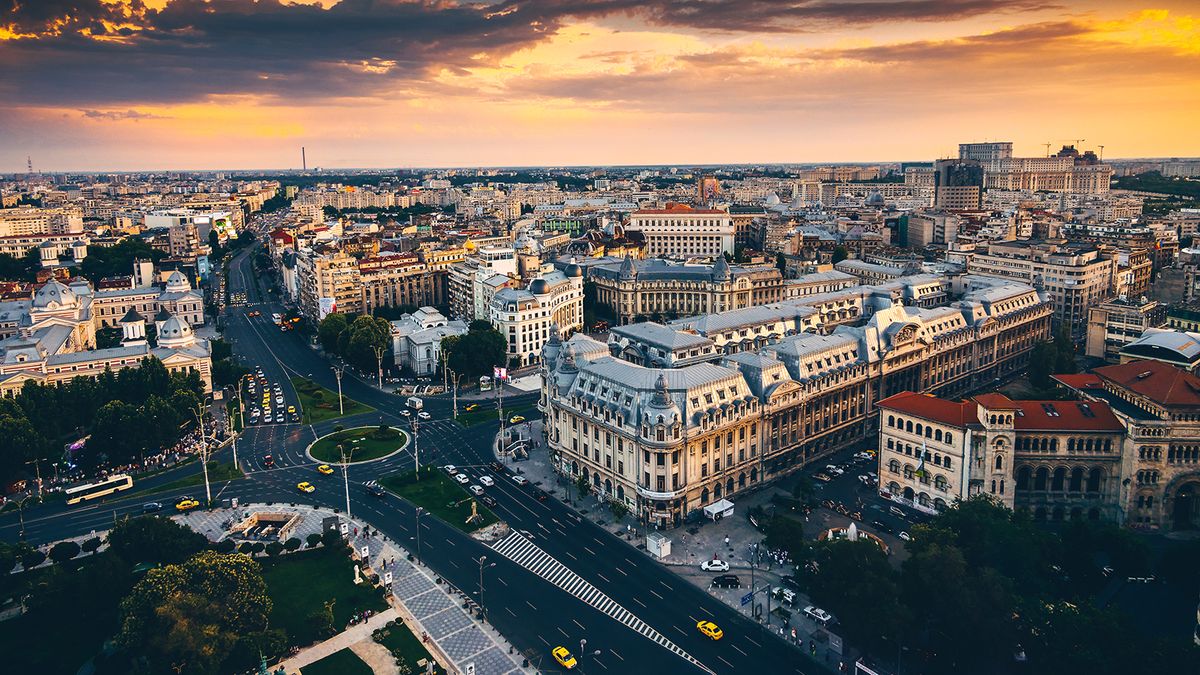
(883, 527)
(789, 580)
(540, 495)
(268, 461)
(374, 488)
(151, 507)
(727, 581)
(488, 501)
(497, 467)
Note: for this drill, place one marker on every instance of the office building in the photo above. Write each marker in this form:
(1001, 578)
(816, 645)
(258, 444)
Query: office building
(680, 231)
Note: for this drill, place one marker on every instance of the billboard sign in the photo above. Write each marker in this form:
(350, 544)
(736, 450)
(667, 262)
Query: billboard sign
(325, 307)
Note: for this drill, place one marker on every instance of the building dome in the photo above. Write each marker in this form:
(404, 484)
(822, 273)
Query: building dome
(178, 282)
(54, 295)
(628, 269)
(875, 198)
(573, 269)
(469, 246)
(720, 270)
(175, 332)
(539, 287)
(772, 199)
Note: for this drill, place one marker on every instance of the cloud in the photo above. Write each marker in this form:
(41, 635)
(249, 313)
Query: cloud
(113, 115)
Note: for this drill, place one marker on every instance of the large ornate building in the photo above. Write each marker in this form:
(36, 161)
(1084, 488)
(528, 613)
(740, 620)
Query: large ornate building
(52, 338)
(671, 423)
(552, 305)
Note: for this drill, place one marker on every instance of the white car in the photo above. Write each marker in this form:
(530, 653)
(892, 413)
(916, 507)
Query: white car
(424, 415)
(278, 400)
(404, 412)
(519, 480)
(834, 469)
(487, 480)
(905, 536)
(450, 469)
(819, 615)
(714, 566)
(476, 490)
(865, 456)
(462, 478)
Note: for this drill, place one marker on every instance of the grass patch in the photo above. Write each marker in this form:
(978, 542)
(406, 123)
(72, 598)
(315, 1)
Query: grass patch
(319, 404)
(401, 642)
(440, 495)
(301, 583)
(344, 662)
(368, 443)
(217, 472)
(486, 412)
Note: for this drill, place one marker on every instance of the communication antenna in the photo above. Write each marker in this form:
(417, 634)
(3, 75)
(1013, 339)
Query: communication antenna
(29, 164)
(303, 159)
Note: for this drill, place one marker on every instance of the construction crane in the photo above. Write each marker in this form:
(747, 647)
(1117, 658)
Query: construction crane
(1047, 144)
(1101, 153)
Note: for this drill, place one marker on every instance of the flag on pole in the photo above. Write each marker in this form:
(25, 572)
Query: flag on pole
(921, 464)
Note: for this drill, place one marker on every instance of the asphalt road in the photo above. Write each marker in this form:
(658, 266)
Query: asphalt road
(531, 612)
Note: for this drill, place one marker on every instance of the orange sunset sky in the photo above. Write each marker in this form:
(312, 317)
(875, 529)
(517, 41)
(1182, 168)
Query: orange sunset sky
(195, 84)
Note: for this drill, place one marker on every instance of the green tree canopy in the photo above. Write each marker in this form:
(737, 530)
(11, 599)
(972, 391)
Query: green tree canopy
(477, 352)
(154, 539)
(855, 581)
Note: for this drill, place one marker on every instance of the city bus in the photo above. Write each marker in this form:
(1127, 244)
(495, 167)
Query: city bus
(100, 488)
(277, 319)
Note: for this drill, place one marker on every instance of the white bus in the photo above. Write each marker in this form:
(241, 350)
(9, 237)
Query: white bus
(278, 319)
(101, 488)
(414, 403)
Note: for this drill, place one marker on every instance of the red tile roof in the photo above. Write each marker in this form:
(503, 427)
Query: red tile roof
(1065, 416)
(1080, 380)
(927, 406)
(996, 401)
(1160, 382)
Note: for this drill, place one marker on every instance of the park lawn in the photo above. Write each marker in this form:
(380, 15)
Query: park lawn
(343, 662)
(366, 448)
(486, 412)
(319, 404)
(401, 642)
(440, 495)
(217, 472)
(301, 582)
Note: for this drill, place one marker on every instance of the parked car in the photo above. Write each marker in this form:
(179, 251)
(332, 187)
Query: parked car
(785, 595)
(819, 615)
(714, 565)
(834, 470)
(727, 581)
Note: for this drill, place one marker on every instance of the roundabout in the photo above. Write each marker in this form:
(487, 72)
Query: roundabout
(366, 444)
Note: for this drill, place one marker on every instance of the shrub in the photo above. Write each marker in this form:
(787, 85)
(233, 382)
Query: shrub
(313, 539)
(32, 558)
(258, 547)
(317, 395)
(91, 545)
(64, 551)
(274, 548)
(225, 546)
(338, 427)
(246, 547)
(332, 538)
(291, 544)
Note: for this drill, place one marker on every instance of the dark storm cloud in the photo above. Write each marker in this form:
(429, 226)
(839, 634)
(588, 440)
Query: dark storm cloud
(193, 49)
(113, 115)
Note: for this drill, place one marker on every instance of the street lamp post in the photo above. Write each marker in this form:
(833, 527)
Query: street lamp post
(481, 561)
(21, 515)
(379, 352)
(416, 432)
(204, 453)
(454, 396)
(419, 512)
(345, 473)
(337, 373)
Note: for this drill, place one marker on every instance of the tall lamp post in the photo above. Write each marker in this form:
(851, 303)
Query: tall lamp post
(21, 514)
(204, 452)
(481, 561)
(337, 373)
(379, 352)
(345, 473)
(416, 432)
(419, 512)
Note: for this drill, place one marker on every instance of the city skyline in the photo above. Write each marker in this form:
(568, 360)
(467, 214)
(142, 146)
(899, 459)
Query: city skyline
(188, 85)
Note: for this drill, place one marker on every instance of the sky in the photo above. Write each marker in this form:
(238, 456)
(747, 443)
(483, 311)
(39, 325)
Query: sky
(121, 85)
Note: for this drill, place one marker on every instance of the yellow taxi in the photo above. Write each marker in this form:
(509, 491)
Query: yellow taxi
(471, 407)
(305, 487)
(186, 504)
(710, 629)
(564, 658)
(516, 419)
(291, 409)
(325, 470)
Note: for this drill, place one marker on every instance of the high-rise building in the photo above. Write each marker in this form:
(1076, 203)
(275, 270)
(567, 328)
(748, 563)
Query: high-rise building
(985, 152)
(958, 184)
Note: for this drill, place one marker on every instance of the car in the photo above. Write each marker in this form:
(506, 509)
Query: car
(186, 504)
(823, 477)
(305, 487)
(519, 480)
(905, 536)
(424, 415)
(516, 419)
(462, 478)
(540, 495)
(278, 400)
(450, 469)
(325, 470)
(865, 479)
(279, 418)
(789, 580)
(817, 614)
(487, 500)
(151, 507)
(564, 657)
(374, 488)
(785, 595)
(268, 461)
(476, 490)
(882, 526)
(487, 480)
(834, 470)
(471, 407)
(710, 629)
(405, 412)
(863, 456)
(291, 408)
(714, 565)
(727, 581)
(496, 466)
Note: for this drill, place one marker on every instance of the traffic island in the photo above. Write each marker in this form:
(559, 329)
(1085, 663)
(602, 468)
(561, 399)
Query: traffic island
(440, 496)
(318, 404)
(366, 444)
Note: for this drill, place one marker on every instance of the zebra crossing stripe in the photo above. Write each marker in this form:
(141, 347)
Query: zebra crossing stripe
(528, 555)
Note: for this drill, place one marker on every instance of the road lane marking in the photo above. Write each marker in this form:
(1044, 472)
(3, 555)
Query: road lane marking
(617, 655)
(531, 605)
(606, 580)
(725, 662)
(754, 641)
(639, 602)
(621, 571)
(590, 551)
(739, 650)
(565, 633)
(655, 594)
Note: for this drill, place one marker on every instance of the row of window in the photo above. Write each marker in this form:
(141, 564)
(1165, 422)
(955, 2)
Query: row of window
(920, 429)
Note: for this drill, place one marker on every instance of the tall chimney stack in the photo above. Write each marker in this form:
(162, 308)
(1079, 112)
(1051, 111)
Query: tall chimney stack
(303, 160)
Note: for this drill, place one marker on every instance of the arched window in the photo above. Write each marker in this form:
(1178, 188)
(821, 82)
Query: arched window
(1094, 478)
(1058, 484)
(949, 437)
(908, 471)
(939, 482)
(1023, 475)
(717, 490)
(928, 432)
(891, 420)
(908, 425)
(937, 435)
(894, 466)
(1076, 479)
(999, 462)
(1041, 479)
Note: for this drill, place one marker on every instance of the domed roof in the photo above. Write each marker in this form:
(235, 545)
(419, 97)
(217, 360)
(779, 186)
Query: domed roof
(573, 269)
(628, 269)
(539, 287)
(720, 270)
(772, 199)
(54, 295)
(178, 282)
(470, 245)
(875, 198)
(174, 331)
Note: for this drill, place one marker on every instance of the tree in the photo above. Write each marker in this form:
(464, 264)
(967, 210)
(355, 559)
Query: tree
(330, 329)
(292, 544)
(320, 622)
(583, 485)
(63, 551)
(274, 548)
(191, 615)
(362, 338)
(839, 254)
(31, 558)
(787, 534)
(781, 264)
(90, 546)
(313, 539)
(855, 582)
(477, 352)
(332, 539)
(153, 539)
(1064, 348)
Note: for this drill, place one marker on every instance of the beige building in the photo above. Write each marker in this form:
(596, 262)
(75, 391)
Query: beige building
(680, 231)
(552, 304)
(1114, 324)
(645, 288)
(328, 282)
(1074, 277)
(400, 280)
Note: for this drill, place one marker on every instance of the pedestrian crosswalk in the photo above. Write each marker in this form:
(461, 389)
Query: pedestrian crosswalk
(528, 555)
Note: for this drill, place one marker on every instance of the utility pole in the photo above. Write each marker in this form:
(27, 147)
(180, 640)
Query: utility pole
(481, 561)
(500, 406)
(379, 352)
(337, 372)
(203, 453)
(419, 512)
(416, 432)
(454, 396)
(345, 473)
